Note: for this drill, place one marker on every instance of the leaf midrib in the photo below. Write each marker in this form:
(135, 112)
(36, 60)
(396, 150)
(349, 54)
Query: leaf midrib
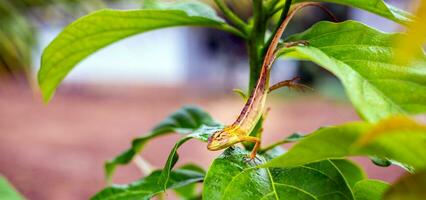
(273, 183)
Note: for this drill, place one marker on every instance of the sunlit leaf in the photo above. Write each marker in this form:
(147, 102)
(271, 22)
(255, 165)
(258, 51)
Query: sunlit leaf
(378, 7)
(370, 189)
(231, 177)
(404, 144)
(184, 121)
(362, 58)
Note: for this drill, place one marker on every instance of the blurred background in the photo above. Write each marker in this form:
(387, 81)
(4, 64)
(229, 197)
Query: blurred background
(57, 151)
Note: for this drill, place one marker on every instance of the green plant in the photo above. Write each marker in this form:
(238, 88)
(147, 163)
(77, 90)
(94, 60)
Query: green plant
(383, 92)
(7, 191)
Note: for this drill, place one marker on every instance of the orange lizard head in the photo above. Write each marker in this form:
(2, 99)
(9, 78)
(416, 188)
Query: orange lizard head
(222, 139)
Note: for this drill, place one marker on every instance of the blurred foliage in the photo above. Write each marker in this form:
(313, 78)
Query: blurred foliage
(18, 22)
(16, 40)
(416, 35)
(7, 191)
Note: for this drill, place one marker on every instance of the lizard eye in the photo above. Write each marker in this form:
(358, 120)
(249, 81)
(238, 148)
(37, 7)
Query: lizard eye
(220, 136)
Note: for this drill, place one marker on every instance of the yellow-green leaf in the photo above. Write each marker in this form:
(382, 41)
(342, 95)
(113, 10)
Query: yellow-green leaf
(231, 177)
(408, 45)
(370, 189)
(405, 143)
(378, 7)
(363, 59)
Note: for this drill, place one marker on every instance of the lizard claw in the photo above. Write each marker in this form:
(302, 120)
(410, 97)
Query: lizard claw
(249, 158)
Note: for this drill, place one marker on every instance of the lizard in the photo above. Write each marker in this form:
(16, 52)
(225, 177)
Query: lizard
(254, 108)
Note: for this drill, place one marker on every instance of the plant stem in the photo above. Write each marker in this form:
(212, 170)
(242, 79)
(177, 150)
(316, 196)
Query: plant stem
(143, 165)
(233, 30)
(255, 42)
(231, 16)
(271, 5)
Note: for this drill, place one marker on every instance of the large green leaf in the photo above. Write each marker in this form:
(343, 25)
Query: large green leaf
(370, 189)
(147, 187)
(232, 177)
(101, 28)
(184, 121)
(352, 172)
(398, 139)
(411, 187)
(203, 133)
(7, 191)
(378, 7)
(362, 58)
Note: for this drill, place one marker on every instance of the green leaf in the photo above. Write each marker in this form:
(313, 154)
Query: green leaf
(99, 29)
(398, 139)
(183, 121)
(231, 177)
(203, 133)
(148, 187)
(370, 189)
(241, 93)
(189, 192)
(362, 58)
(192, 8)
(350, 171)
(325, 143)
(380, 161)
(7, 191)
(411, 187)
(378, 7)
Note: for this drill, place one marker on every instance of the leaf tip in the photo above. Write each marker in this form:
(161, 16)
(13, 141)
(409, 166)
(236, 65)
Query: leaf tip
(109, 168)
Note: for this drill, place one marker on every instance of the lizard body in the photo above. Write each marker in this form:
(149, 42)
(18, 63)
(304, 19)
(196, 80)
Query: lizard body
(254, 108)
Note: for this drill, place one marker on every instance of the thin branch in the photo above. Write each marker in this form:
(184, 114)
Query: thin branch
(283, 16)
(322, 7)
(286, 16)
(143, 165)
(270, 6)
(232, 30)
(237, 21)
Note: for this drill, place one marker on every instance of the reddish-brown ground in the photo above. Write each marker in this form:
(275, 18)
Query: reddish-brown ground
(57, 151)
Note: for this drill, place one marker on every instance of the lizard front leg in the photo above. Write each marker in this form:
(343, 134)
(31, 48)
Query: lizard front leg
(256, 145)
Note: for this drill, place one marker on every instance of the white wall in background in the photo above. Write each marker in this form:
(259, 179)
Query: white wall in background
(378, 21)
(156, 57)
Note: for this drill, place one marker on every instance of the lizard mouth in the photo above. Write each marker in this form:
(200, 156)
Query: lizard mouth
(213, 147)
